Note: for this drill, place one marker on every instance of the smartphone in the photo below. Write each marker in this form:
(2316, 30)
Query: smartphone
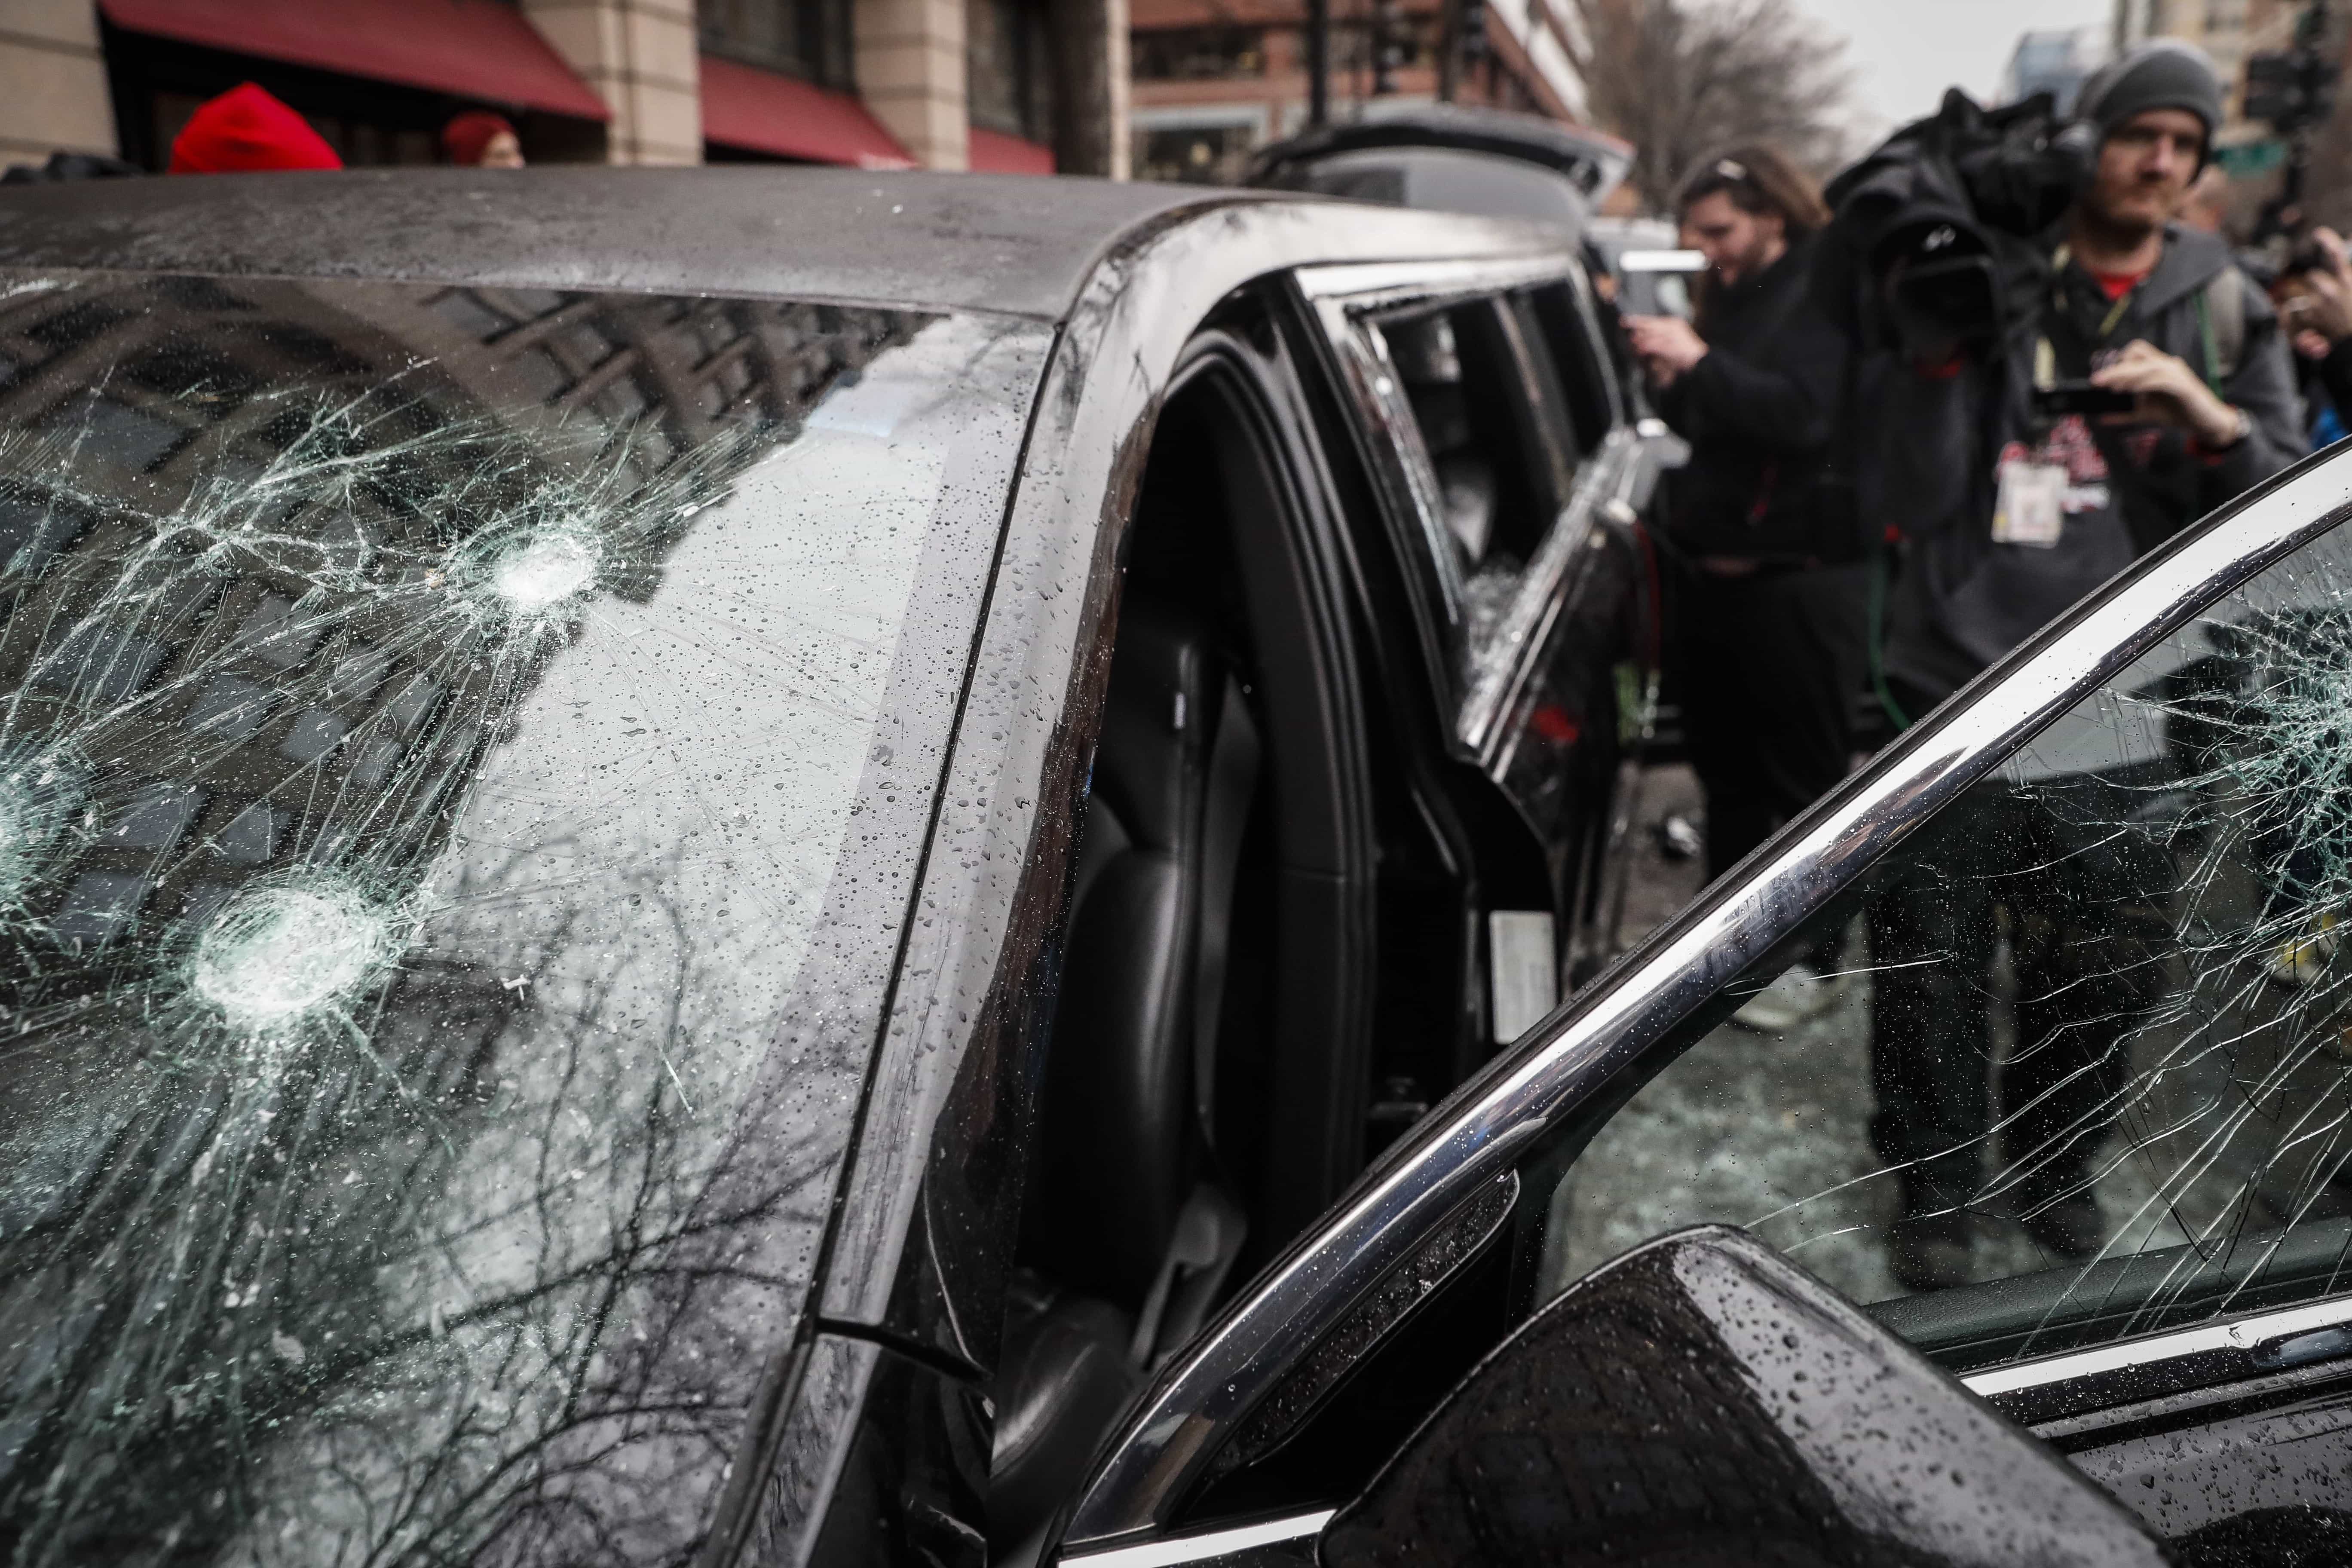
(2081, 397)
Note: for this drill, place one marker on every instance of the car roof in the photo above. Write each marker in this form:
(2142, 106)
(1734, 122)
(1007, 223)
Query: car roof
(1592, 159)
(1017, 244)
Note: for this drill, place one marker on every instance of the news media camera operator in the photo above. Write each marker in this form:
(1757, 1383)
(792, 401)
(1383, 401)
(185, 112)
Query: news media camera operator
(1768, 607)
(2132, 306)
(2133, 380)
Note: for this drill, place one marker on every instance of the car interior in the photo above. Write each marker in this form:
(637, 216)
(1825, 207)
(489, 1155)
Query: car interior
(1273, 959)
(1509, 395)
(1218, 902)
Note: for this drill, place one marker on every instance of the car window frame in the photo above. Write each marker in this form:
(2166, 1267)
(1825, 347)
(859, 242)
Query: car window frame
(1591, 352)
(1350, 299)
(1594, 1042)
(1611, 479)
(1018, 758)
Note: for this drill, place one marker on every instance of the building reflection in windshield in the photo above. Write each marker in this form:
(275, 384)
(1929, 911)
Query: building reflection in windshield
(432, 718)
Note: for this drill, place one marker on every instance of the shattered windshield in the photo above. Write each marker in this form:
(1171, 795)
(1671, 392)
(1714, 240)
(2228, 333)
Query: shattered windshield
(2083, 1068)
(436, 728)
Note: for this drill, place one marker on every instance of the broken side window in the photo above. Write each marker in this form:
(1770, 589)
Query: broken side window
(2085, 1070)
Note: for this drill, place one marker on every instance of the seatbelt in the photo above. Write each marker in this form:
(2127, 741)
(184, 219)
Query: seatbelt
(1231, 787)
(1211, 1228)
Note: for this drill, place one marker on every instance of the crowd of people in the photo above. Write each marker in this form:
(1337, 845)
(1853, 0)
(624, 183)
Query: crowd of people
(1884, 517)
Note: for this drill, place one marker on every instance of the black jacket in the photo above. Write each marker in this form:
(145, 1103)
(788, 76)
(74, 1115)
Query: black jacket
(1760, 411)
(2334, 374)
(1961, 600)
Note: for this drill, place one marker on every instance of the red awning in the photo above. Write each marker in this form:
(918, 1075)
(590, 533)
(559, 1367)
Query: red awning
(994, 153)
(759, 111)
(468, 49)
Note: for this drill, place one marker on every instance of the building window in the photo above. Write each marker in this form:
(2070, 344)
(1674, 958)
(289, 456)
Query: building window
(1193, 154)
(810, 39)
(1008, 64)
(1413, 38)
(1198, 54)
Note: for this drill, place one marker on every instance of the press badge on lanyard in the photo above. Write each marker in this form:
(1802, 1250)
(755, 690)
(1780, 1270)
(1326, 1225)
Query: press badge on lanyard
(2029, 507)
(2063, 469)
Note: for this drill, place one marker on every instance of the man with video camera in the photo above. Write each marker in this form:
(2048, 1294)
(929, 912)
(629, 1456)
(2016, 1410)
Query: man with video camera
(2144, 383)
(2112, 377)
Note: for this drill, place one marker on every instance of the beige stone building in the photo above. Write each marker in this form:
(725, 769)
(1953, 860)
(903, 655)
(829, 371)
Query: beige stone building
(1027, 85)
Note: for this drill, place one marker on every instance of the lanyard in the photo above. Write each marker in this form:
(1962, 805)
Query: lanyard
(2045, 358)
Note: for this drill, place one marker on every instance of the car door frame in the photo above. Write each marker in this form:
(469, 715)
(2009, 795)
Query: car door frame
(1200, 1402)
(1613, 482)
(990, 889)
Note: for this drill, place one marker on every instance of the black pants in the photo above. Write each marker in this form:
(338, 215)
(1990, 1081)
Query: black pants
(1766, 667)
(2089, 934)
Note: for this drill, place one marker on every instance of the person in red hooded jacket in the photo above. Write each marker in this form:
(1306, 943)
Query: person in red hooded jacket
(245, 128)
(480, 140)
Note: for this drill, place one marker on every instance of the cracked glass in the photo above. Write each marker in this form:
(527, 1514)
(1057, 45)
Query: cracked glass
(1490, 462)
(436, 728)
(2082, 1067)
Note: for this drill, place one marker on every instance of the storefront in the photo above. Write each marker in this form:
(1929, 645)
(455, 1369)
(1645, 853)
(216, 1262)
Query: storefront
(1017, 85)
(378, 78)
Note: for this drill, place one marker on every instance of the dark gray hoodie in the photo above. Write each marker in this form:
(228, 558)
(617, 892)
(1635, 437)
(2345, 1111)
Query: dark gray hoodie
(1961, 600)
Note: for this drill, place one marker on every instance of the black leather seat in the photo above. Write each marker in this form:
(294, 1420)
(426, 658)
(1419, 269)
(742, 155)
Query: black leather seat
(1127, 1235)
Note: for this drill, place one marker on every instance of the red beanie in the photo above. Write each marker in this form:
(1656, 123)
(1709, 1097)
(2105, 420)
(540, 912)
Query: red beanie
(465, 137)
(245, 128)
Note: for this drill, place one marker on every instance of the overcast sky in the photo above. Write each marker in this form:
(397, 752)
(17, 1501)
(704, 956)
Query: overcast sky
(1906, 52)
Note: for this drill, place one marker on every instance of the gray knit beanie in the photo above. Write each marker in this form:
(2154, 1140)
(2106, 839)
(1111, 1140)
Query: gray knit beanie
(2163, 73)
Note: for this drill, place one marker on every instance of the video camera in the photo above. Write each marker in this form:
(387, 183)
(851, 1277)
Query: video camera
(1935, 242)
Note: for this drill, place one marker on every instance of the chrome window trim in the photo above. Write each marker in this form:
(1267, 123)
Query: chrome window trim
(1405, 468)
(1379, 287)
(1596, 343)
(1211, 1544)
(1537, 369)
(2242, 1334)
(1607, 477)
(1349, 301)
(1198, 1402)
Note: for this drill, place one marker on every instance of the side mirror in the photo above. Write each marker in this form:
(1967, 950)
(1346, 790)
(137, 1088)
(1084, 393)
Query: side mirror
(1702, 1400)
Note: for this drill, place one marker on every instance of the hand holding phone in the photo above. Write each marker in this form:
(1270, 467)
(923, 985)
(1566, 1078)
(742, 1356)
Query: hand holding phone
(2084, 397)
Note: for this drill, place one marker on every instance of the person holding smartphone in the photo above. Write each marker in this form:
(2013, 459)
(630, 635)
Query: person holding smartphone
(2149, 386)
(2314, 295)
(1766, 599)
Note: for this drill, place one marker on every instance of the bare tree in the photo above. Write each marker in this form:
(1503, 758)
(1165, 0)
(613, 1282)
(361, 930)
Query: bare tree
(1678, 78)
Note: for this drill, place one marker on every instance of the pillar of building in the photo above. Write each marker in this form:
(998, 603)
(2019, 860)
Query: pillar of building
(640, 57)
(58, 98)
(912, 74)
(1095, 81)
